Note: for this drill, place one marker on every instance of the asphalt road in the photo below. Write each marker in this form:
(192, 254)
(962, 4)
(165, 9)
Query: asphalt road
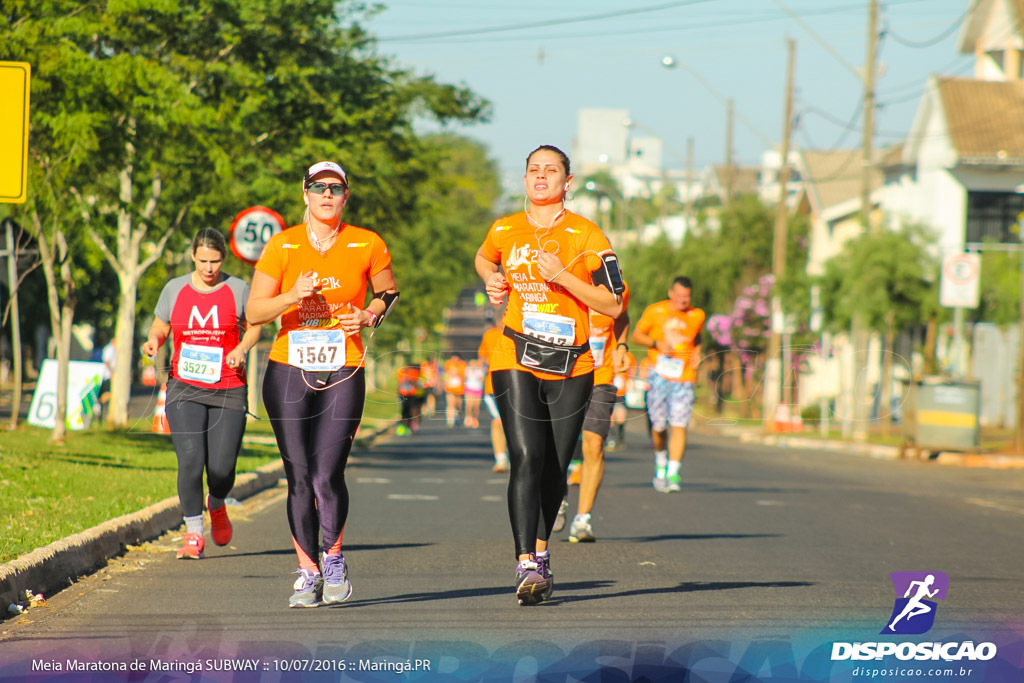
(766, 556)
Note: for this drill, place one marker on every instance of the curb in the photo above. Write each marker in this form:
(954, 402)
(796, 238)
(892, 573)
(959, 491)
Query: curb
(54, 567)
(877, 451)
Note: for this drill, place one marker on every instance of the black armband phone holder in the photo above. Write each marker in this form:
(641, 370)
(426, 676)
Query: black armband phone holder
(389, 299)
(609, 275)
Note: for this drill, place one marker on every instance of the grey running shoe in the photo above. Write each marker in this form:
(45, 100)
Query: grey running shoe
(580, 530)
(530, 585)
(337, 587)
(560, 517)
(660, 480)
(308, 588)
(544, 569)
(673, 484)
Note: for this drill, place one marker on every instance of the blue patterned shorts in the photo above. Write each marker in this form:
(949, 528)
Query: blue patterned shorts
(669, 403)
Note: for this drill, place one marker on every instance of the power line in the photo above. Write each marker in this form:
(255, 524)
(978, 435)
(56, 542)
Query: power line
(540, 24)
(937, 39)
(470, 35)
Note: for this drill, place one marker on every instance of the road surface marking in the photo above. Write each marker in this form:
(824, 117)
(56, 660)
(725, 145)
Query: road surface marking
(994, 505)
(410, 496)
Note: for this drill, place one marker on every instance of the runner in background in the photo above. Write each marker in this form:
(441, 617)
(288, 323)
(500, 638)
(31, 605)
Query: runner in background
(474, 386)
(487, 344)
(429, 373)
(557, 266)
(607, 337)
(454, 389)
(408, 397)
(315, 276)
(204, 313)
(671, 329)
(617, 436)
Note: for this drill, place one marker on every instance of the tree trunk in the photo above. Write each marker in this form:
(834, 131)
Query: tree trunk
(61, 311)
(15, 318)
(931, 365)
(124, 334)
(885, 410)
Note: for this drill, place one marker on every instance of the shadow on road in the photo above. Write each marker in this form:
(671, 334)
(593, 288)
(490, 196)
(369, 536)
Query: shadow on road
(686, 587)
(686, 537)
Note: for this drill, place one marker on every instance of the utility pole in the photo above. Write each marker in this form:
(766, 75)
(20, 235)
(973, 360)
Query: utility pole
(1018, 434)
(730, 169)
(689, 181)
(779, 240)
(15, 317)
(860, 334)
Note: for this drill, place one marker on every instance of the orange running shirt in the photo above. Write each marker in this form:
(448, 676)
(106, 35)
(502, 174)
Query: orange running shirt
(341, 275)
(408, 380)
(513, 243)
(428, 373)
(661, 322)
(487, 344)
(454, 376)
(603, 343)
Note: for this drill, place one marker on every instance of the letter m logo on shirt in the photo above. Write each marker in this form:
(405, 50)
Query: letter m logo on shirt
(196, 317)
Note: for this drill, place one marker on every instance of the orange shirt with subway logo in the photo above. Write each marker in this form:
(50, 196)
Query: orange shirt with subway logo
(311, 336)
(514, 243)
(603, 342)
(680, 329)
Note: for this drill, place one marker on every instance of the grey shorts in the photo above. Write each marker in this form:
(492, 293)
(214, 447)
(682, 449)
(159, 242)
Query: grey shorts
(599, 413)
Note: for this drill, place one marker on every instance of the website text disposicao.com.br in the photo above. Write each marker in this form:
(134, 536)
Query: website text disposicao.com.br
(870, 672)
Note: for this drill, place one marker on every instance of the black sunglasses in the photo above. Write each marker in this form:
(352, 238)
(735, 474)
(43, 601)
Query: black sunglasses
(320, 188)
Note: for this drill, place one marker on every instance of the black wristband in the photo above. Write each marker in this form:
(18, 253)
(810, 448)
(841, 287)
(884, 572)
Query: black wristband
(623, 344)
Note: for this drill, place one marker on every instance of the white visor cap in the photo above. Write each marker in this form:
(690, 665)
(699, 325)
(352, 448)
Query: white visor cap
(322, 166)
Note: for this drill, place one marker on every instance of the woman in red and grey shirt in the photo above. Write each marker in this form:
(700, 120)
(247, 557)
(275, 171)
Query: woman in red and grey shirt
(206, 393)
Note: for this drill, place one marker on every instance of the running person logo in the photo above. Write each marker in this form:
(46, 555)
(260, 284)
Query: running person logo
(521, 256)
(914, 610)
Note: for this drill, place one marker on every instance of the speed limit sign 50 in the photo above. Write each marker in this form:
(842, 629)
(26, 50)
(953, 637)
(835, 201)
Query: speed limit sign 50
(252, 229)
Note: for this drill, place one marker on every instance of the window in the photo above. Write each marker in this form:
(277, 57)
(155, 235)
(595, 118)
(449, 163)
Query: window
(994, 216)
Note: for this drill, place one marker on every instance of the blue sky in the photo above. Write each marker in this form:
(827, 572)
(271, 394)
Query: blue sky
(570, 56)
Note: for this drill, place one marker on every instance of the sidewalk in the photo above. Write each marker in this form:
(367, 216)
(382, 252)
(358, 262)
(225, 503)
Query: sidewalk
(755, 433)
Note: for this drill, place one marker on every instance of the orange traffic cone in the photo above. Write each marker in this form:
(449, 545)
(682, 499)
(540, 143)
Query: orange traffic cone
(160, 425)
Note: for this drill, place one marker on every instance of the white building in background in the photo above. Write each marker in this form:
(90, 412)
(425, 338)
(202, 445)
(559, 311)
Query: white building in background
(601, 140)
(606, 142)
(768, 179)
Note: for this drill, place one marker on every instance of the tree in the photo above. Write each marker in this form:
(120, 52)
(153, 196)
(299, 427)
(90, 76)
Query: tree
(454, 209)
(193, 109)
(887, 278)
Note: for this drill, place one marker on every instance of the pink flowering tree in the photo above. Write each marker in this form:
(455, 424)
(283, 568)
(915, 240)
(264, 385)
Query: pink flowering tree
(744, 333)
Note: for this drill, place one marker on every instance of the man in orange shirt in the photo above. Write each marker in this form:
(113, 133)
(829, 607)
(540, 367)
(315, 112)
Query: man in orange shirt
(454, 388)
(671, 329)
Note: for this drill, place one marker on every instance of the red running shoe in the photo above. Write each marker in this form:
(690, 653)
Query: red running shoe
(220, 525)
(193, 548)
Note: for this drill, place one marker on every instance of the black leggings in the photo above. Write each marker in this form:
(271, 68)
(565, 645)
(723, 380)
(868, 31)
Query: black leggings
(314, 431)
(209, 438)
(542, 419)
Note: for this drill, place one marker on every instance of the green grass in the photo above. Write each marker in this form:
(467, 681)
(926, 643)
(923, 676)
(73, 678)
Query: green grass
(49, 491)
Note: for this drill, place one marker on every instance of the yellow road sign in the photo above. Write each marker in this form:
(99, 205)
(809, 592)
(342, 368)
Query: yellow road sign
(14, 89)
